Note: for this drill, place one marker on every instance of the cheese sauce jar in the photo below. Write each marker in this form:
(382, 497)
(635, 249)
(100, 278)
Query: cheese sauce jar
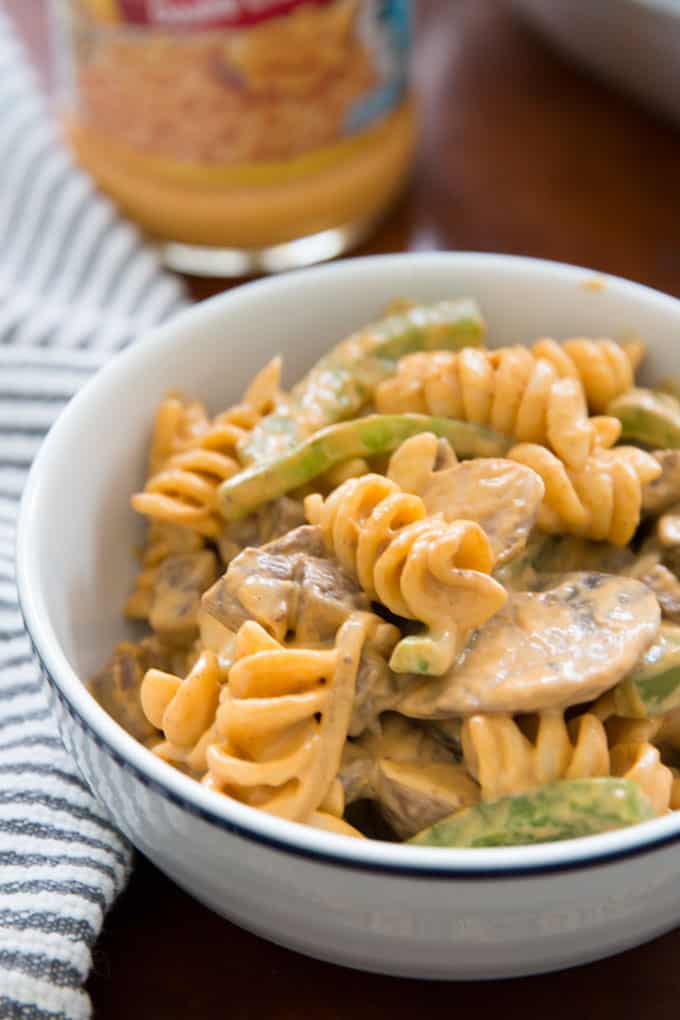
(243, 135)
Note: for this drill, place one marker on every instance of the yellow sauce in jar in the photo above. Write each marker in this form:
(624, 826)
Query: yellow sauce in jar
(280, 121)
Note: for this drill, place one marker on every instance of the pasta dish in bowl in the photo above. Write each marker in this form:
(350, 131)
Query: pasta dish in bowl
(536, 572)
(419, 594)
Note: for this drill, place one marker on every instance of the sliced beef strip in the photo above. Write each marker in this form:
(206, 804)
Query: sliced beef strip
(378, 688)
(178, 587)
(412, 777)
(270, 522)
(116, 687)
(289, 584)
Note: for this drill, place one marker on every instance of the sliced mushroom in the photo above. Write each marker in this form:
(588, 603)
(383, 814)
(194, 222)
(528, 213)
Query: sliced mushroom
(666, 587)
(568, 553)
(546, 649)
(502, 496)
(411, 776)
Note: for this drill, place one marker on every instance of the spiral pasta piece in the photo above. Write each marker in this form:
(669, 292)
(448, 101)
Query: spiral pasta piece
(283, 721)
(620, 729)
(505, 762)
(190, 455)
(177, 422)
(184, 710)
(184, 491)
(420, 567)
(605, 369)
(634, 751)
(259, 399)
(641, 763)
(511, 389)
(601, 501)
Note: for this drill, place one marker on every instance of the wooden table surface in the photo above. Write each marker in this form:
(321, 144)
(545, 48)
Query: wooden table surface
(521, 153)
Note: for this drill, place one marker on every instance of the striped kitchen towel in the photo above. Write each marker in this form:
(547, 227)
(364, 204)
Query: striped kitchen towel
(76, 284)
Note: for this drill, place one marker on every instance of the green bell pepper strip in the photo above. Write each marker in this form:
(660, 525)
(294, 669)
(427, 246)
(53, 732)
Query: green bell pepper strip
(654, 687)
(648, 417)
(339, 385)
(565, 809)
(363, 437)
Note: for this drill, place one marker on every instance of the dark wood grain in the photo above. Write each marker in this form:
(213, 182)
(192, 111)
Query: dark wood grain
(519, 152)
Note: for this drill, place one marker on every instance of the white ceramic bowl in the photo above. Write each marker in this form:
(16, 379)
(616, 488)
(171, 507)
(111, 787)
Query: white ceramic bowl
(423, 912)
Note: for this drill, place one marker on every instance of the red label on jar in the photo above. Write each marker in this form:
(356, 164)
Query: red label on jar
(192, 14)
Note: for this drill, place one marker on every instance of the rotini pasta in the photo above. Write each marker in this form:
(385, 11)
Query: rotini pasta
(177, 422)
(505, 761)
(332, 823)
(283, 721)
(510, 389)
(191, 455)
(635, 754)
(184, 491)
(668, 733)
(641, 763)
(184, 710)
(604, 368)
(421, 568)
(601, 501)
(259, 399)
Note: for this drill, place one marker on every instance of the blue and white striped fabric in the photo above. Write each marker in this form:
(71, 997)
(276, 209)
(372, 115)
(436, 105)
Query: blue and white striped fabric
(76, 283)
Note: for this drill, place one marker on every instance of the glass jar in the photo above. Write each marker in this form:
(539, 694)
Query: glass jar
(244, 135)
